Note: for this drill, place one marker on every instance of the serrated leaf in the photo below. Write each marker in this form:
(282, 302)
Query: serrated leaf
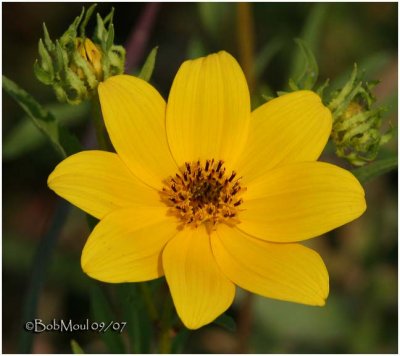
(148, 67)
(62, 140)
(227, 322)
(375, 169)
(76, 349)
(27, 132)
(102, 313)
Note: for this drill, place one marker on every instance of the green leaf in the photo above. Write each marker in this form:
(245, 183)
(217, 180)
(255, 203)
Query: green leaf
(109, 18)
(371, 65)
(178, 343)
(311, 34)
(110, 37)
(42, 75)
(195, 48)
(375, 169)
(85, 21)
(76, 349)
(214, 16)
(63, 141)
(307, 77)
(47, 41)
(312, 29)
(266, 54)
(102, 313)
(39, 272)
(25, 131)
(226, 322)
(138, 325)
(148, 67)
(276, 321)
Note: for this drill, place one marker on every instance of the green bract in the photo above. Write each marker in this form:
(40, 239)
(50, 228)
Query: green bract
(74, 65)
(356, 124)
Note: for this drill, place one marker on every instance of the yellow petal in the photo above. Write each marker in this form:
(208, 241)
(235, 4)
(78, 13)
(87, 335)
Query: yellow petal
(126, 245)
(292, 128)
(99, 182)
(288, 272)
(299, 201)
(199, 290)
(208, 110)
(134, 114)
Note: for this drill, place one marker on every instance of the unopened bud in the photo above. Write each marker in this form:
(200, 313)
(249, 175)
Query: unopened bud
(74, 65)
(356, 124)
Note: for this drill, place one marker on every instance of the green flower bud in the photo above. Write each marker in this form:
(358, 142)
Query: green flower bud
(74, 65)
(356, 124)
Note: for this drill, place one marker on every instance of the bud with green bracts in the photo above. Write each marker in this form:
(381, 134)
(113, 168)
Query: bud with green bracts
(74, 65)
(356, 124)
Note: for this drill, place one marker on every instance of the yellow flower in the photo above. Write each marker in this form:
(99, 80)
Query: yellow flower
(208, 193)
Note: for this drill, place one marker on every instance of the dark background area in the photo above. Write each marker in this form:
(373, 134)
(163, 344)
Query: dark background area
(361, 257)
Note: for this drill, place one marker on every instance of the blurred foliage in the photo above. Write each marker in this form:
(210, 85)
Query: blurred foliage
(361, 312)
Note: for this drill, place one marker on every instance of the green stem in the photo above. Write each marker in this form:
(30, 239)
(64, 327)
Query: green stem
(165, 341)
(148, 300)
(39, 269)
(246, 39)
(101, 133)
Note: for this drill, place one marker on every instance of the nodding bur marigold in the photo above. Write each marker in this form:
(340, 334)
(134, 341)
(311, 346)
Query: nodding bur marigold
(74, 65)
(209, 193)
(356, 124)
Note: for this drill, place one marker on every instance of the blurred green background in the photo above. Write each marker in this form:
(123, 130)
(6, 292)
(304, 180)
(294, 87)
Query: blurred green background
(361, 312)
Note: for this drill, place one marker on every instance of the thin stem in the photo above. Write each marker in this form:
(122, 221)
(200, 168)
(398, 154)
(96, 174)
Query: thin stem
(165, 341)
(245, 33)
(246, 41)
(101, 133)
(139, 37)
(148, 300)
(245, 321)
(40, 266)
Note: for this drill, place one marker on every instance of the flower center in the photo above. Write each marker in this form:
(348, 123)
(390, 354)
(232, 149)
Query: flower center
(202, 192)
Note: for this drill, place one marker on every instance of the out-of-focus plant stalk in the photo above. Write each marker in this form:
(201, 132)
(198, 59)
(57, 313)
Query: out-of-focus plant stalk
(245, 33)
(103, 140)
(165, 340)
(148, 300)
(246, 40)
(136, 44)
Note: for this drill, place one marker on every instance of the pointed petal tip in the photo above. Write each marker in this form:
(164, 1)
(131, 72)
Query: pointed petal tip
(192, 325)
(50, 180)
(321, 303)
(199, 290)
